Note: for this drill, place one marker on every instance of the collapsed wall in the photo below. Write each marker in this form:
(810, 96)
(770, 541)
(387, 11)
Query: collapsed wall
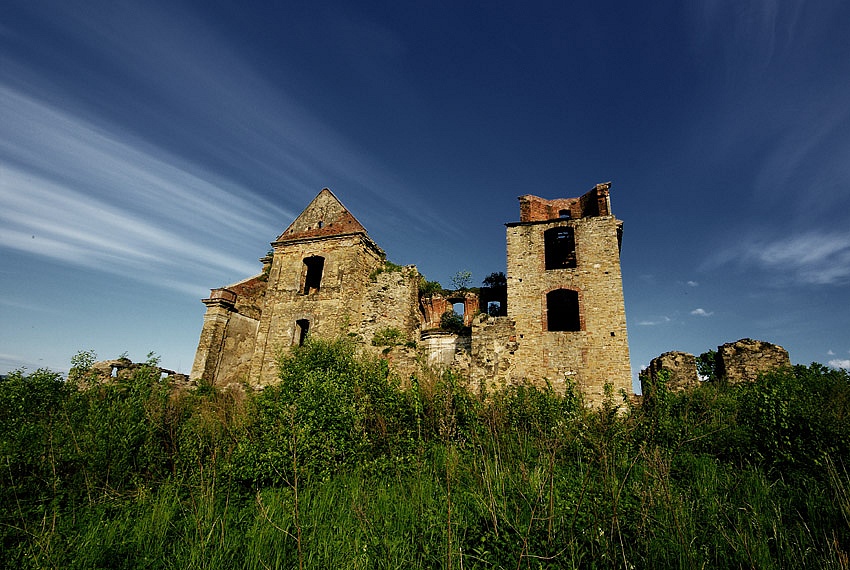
(744, 360)
(735, 362)
(680, 366)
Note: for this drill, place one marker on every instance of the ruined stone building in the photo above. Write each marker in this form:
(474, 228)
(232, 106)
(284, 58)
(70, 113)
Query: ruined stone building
(734, 363)
(559, 318)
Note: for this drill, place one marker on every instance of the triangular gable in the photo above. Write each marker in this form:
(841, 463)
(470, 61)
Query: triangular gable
(324, 216)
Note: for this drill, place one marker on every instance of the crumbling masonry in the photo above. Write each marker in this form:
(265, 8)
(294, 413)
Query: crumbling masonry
(734, 362)
(560, 318)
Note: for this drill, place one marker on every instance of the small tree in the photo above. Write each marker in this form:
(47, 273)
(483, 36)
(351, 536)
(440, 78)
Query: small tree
(461, 280)
(452, 322)
(495, 279)
(707, 365)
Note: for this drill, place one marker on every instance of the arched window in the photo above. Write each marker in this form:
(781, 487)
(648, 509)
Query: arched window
(564, 214)
(314, 266)
(560, 247)
(562, 310)
(302, 329)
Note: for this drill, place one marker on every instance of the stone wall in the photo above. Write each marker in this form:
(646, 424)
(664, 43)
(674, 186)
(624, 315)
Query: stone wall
(391, 301)
(124, 368)
(494, 346)
(745, 359)
(598, 352)
(682, 367)
(234, 360)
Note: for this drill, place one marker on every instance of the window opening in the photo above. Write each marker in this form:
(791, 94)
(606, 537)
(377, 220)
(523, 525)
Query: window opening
(562, 310)
(302, 328)
(564, 214)
(458, 308)
(315, 265)
(494, 308)
(560, 247)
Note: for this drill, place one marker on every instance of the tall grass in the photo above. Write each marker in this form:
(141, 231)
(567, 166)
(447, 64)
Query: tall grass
(340, 468)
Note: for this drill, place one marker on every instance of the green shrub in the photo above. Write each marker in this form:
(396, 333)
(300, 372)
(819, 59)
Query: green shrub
(388, 336)
(452, 322)
(429, 288)
(386, 267)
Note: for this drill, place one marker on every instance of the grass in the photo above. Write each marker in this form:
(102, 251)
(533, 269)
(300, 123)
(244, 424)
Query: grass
(524, 479)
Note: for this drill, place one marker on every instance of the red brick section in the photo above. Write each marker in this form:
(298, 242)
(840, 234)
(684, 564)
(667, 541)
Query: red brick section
(433, 308)
(592, 203)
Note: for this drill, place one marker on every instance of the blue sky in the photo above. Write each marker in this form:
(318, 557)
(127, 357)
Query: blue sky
(150, 151)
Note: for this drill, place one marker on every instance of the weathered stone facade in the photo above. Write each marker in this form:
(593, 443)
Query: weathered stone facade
(560, 318)
(565, 293)
(744, 360)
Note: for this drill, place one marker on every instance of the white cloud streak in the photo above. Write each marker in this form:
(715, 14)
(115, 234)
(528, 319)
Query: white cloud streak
(699, 312)
(651, 323)
(811, 258)
(79, 174)
(840, 363)
(72, 193)
(213, 100)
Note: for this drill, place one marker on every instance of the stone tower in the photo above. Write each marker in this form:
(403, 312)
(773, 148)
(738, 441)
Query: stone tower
(565, 293)
(319, 271)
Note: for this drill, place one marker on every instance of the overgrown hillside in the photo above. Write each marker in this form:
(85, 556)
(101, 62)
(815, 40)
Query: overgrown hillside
(338, 467)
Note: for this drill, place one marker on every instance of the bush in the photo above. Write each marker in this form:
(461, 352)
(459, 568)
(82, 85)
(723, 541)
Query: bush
(452, 322)
(332, 408)
(429, 288)
(388, 336)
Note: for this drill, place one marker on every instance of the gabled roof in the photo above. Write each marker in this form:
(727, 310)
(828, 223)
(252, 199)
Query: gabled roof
(324, 216)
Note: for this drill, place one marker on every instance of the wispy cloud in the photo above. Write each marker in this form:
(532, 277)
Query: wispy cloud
(81, 181)
(692, 284)
(814, 258)
(756, 30)
(840, 363)
(653, 322)
(699, 312)
(215, 107)
(72, 193)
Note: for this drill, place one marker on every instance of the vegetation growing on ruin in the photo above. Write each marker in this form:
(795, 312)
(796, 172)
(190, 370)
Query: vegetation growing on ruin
(495, 279)
(388, 336)
(461, 280)
(429, 288)
(340, 466)
(453, 323)
(386, 267)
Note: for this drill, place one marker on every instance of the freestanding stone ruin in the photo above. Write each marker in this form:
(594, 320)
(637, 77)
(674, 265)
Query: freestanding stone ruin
(734, 362)
(560, 318)
(744, 360)
(681, 367)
